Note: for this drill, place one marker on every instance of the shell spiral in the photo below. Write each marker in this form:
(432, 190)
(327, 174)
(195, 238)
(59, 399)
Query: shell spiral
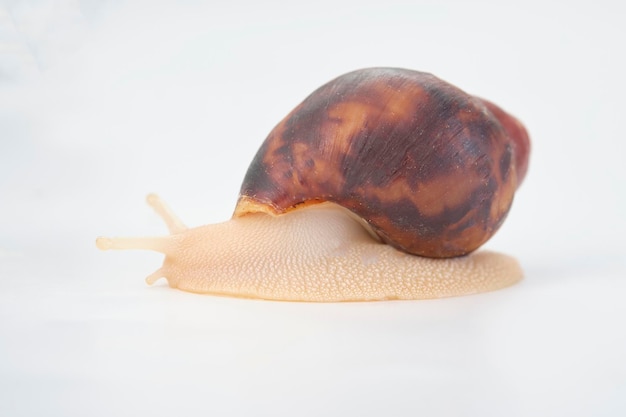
(430, 168)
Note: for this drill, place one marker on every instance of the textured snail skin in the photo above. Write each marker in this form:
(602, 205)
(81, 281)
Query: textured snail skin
(374, 168)
(319, 253)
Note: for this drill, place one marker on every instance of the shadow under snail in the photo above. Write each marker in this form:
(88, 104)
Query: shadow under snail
(379, 185)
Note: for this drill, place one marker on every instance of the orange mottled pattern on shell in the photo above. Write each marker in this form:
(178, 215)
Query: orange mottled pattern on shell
(427, 166)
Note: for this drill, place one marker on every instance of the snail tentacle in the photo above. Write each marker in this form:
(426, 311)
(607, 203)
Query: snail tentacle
(174, 224)
(162, 244)
(155, 276)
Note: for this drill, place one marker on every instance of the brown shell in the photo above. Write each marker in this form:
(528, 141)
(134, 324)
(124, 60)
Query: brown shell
(430, 168)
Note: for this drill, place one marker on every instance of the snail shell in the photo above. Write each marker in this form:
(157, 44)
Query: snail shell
(431, 169)
(372, 169)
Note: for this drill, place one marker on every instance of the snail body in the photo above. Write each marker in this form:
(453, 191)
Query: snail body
(379, 185)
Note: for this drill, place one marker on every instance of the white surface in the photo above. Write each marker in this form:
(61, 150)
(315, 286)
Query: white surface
(103, 102)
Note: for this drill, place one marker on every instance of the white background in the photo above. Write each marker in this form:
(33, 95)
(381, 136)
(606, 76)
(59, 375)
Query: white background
(102, 102)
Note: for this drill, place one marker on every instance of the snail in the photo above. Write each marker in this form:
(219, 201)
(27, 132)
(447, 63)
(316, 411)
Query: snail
(380, 185)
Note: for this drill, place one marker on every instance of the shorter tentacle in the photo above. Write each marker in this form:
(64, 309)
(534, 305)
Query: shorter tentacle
(155, 276)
